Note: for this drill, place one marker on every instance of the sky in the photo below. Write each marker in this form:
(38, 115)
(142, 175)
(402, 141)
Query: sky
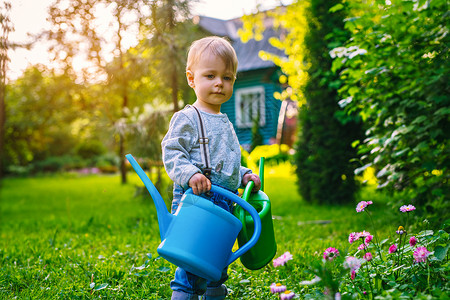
(29, 17)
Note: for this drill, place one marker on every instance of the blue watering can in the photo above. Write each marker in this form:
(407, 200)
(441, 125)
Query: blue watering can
(200, 236)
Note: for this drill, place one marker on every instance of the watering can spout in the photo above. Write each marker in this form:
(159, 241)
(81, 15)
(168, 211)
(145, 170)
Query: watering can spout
(164, 217)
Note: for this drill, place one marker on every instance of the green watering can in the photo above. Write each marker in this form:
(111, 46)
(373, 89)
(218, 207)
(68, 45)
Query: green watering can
(264, 250)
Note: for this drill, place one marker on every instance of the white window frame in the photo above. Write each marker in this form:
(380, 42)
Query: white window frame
(247, 103)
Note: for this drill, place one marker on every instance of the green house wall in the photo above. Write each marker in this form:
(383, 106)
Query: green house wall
(268, 78)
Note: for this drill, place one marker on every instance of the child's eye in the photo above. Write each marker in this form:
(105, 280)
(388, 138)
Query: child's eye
(228, 78)
(210, 76)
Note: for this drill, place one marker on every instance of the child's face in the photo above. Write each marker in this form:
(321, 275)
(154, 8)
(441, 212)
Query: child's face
(212, 81)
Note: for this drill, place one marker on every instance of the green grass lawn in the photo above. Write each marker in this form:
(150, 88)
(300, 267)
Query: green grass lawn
(78, 237)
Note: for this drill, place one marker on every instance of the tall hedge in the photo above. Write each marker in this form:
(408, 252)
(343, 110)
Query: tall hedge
(310, 29)
(324, 152)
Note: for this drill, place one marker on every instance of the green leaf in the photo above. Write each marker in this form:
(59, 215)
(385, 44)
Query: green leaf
(425, 233)
(401, 152)
(163, 269)
(353, 90)
(355, 143)
(420, 119)
(383, 241)
(440, 252)
(443, 234)
(360, 170)
(336, 8)
(101, 287)
(443, 111)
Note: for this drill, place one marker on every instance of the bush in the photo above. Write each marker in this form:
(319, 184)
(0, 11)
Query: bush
(273, 154)
(394, 70)
(90, 149)
(109, 159)
(58, 163)
(16, 170)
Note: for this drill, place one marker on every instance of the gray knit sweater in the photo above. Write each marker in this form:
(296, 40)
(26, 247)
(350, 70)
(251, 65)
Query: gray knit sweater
(181, 149)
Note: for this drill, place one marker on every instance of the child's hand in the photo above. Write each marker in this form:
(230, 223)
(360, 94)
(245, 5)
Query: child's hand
(199, 183)
(252, 177)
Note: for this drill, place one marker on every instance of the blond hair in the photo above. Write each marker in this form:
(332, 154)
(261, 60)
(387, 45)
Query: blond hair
(215, 45)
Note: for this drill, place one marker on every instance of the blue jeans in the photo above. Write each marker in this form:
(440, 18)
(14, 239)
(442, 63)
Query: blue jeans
(186, 285)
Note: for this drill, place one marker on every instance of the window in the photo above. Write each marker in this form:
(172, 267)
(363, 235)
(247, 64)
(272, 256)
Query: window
(250, 102)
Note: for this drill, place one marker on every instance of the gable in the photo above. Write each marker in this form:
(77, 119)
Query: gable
(247, 53)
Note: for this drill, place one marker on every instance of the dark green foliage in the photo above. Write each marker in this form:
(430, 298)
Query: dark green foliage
(90, 148)
(40, 111)
(399, 86)
(324, 149)
(58, 163)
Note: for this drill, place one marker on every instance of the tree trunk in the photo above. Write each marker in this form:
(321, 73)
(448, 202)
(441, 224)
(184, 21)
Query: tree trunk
(175, 88)
(6, 27)
(2, 119)
(123, 169)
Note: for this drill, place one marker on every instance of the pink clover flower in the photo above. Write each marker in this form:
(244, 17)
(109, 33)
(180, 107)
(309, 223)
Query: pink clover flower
(362, 205)
(283, 259)
(421, 254)
(352, 263)
(392, 248)
(407, 208)
(330, 254)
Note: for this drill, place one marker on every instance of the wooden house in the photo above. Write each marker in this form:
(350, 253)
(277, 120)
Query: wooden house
(253, 97)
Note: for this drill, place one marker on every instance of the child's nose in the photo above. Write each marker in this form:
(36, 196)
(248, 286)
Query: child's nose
(219, 81)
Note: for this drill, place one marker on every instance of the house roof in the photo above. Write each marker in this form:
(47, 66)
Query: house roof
(247, 53)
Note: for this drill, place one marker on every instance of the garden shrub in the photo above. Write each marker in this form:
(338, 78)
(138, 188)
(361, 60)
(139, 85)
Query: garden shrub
(394, 72)
(325, 156)
(58, 163)
(106, 160)
(16, 170)
(273, 154)
(90, 148)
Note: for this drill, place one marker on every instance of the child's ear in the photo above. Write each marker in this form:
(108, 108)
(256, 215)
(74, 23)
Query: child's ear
(190, 78)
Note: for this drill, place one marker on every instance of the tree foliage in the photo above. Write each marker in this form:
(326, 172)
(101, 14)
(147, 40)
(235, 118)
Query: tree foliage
(170, 38)
(160, 31)
(76, 32)
(99, 89)
(395, 72)
(41, 112)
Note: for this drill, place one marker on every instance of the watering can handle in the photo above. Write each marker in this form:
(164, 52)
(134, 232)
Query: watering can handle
(246, 196)
(248, 190)
(253, 213)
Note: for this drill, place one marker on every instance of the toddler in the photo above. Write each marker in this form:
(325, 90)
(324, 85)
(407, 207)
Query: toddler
(211, 72)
